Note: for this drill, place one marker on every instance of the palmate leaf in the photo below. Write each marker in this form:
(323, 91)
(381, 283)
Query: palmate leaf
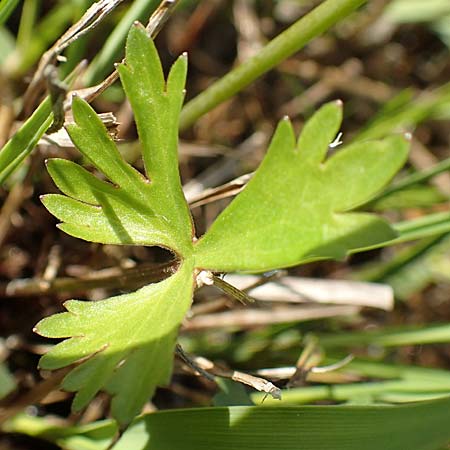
(131, 338)
(129, 209)
(295, 207)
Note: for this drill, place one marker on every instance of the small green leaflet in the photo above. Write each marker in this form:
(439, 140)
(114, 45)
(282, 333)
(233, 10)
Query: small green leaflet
(129, 209)
(131, 338)
(296, 208)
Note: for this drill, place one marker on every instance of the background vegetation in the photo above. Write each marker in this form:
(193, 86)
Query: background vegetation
(389, 64)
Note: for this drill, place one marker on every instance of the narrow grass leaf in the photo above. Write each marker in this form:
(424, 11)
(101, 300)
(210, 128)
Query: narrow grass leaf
(417, 426)
(6, 9)
(25, 139)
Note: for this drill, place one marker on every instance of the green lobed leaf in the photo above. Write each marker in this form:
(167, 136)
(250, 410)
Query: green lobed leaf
(295, 209)
(125, 344)
(128, 340)
(112, 49)
(296, 206)
(157, 108)
(129, 208)
(416, 426)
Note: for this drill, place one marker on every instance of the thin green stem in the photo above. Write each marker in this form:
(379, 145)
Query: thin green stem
(413, 230)
(6, 9)
(429, 225)
(284, 45)
(412, 381)
(357, 390)
(27, 23)
(415, 178)
(389, 338)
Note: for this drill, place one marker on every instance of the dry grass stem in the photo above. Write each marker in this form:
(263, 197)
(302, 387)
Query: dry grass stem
(311, 290)
(249, 318)
(207, 368)
(91, 18)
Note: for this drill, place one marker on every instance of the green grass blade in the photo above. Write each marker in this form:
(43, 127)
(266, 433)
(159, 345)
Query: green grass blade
(27, 23)
(23, 142)
(284, 45)
(6, 9)
(92, 436)
(368, 393)
(415, 229)
(38, 38)
(412, 269)
(429, 225)
(405, 382)
(407, 115)
(418, 426)
(390, 338)
(415, 178)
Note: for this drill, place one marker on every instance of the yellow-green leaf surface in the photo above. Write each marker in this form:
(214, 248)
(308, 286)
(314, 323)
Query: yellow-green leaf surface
(417, 426)
(127, 341)
(296, 206)
(413, 426)
(130, 341)
(129, 208)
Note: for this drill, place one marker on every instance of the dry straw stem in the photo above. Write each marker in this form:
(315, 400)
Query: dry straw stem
(208, 369)
(311, 290)
(206, 184)
(91, 18)
(113, 278)
(249, 318)
(322, 374)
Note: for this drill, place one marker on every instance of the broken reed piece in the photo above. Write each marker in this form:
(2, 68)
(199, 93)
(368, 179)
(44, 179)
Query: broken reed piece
(209, 370)
(90, 19)
(316, 291)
